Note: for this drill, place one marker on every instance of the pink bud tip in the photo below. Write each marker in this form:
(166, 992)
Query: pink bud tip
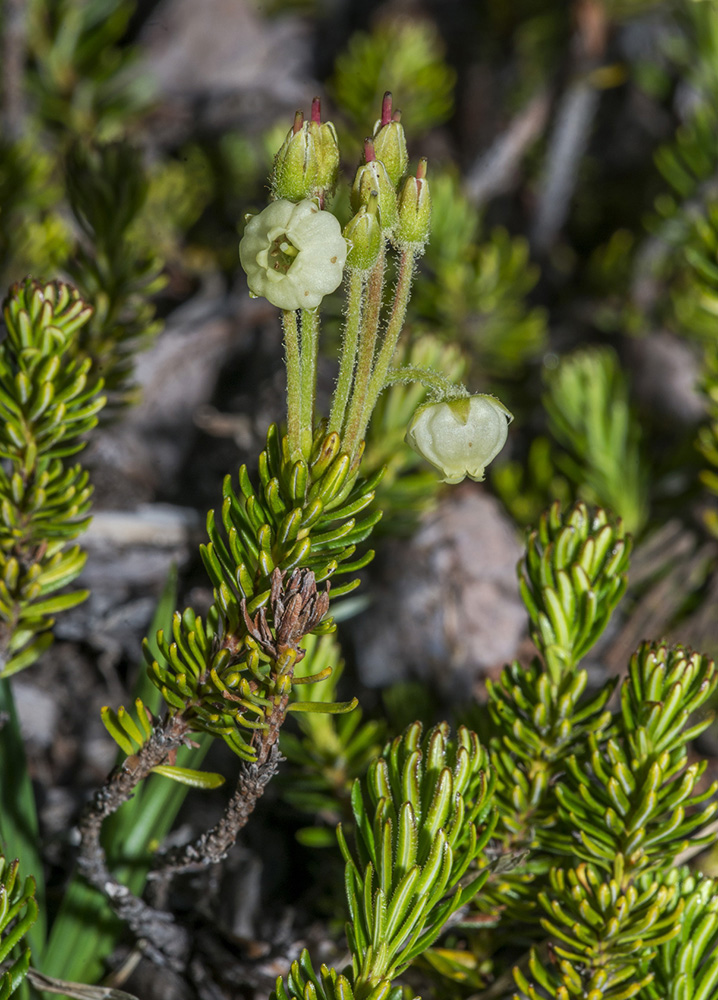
(369, 153)
(298, 122)
(317, 110)
(396, 117)
(421, 169)
(386, 108)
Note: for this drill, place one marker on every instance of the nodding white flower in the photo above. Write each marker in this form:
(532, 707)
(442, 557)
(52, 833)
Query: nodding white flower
(460, 437)
(293, 254)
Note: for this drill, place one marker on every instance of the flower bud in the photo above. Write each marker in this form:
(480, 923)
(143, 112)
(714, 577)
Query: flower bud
(307, 165)
(372, 178)
(460, 437)
(293, 255)
(295, 165)
(390, 141)
(327, 152)
(414, 209)
(363, 233)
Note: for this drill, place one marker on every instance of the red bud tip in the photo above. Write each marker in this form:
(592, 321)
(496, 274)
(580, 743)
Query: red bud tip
(386, 108)
(317, 110)
(396, 117)
(369, 153)
(421, 169)
(298, 122)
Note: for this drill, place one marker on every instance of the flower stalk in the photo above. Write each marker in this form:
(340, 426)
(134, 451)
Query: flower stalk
(357, 417)
(309, 352)
(350, 340)
(294, 253)
(294, 381)
(393, 330)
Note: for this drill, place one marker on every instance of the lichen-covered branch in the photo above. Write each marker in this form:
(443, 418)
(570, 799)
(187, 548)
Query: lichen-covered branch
(214, 845)
(166, 942)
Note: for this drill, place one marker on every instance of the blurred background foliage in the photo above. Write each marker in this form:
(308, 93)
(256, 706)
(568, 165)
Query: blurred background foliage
(574, 172)
(572, 269)
(583, 211)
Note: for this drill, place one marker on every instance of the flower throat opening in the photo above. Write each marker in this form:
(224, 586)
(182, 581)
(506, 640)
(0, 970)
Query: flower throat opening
(282, 254)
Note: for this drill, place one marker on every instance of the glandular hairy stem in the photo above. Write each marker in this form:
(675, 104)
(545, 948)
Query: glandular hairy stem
(358, 413)
(357, 283)
(294, 383)
(308, 384)
(436, 382)
(395, 325)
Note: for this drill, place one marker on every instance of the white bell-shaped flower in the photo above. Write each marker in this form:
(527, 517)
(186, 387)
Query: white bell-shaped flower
(293, 254)
(460, 437)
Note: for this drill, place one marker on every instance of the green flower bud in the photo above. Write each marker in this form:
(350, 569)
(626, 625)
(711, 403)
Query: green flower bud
(390, 141)
(328, 155)
(295, 166)
(307, 165)
(293, 255)
(414, 210)
(372, 178)
(363, 233)
(460, 437)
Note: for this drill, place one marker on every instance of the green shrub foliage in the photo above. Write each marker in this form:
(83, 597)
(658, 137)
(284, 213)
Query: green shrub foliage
(48, 401)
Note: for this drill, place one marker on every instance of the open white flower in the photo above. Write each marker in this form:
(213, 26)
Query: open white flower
(460, 437)
(293, 254)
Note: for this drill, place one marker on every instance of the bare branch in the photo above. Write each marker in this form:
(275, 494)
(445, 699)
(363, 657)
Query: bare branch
(574, 121)
(566, 148)
(495, 171)
(214, 845)
(80, 991)
(166, 942)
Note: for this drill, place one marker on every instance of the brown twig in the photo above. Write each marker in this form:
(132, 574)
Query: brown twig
(572, 128)
(78, 991)
(166, 942)
(496, 169)
(214, 845)
(295, 608)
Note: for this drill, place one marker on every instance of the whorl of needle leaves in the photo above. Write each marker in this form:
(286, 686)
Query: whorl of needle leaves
(663, 937)
(18, 912)
(225, 674)
(48, 402)
(571, 578)
(628, 805)
(540, 722)
(686, 966)
(604, 933)
(302, 983)
(541, 712)
(634, 793)
(423, 815)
